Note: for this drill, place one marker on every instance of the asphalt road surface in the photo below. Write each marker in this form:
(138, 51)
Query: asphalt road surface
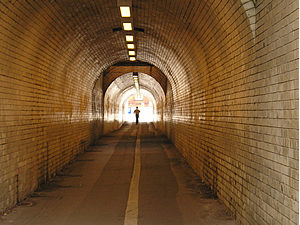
(132, 176)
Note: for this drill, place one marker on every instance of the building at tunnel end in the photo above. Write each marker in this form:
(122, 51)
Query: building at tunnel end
(222, 78)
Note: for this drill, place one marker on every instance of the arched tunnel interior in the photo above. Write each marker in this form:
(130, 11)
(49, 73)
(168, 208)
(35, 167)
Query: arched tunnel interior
(219, 78)
(152, 86)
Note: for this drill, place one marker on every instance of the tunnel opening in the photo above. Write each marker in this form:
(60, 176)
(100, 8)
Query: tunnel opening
(130, 90)
(144, 104)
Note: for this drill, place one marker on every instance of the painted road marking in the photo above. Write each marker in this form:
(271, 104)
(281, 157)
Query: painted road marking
(132, 210)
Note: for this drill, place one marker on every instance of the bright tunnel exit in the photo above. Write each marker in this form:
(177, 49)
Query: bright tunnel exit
(144, 105)
(120, 101)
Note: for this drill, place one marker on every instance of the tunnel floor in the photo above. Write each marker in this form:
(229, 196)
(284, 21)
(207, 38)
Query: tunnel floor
(99, 188)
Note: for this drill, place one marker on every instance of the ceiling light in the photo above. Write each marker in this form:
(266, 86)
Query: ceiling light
(125, 11)
(127, 26)
(129, 38)
(131, 52)
(132, 58)
(130, 46)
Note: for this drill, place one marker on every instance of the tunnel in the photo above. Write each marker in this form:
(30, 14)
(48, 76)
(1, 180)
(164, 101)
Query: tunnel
(217, 85)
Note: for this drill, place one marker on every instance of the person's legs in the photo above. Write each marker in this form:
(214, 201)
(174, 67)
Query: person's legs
(137, 119)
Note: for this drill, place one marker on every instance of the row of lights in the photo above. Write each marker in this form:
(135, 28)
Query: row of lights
(136, 83)
(127, 23)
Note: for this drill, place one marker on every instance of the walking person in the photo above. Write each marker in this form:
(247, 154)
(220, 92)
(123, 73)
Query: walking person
(137, 114)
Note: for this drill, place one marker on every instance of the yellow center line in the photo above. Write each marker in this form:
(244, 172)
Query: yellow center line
(132, 210)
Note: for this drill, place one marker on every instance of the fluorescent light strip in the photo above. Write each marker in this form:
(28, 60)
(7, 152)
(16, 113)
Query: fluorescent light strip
(129, 38)
(132, 58)
(130, 46)
(125, 11)
(127, 26)
(131, 53)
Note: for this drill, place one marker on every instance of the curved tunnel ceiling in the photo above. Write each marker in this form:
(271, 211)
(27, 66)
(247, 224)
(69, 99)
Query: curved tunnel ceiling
(125, 83)
(175, 37)
(122, 68)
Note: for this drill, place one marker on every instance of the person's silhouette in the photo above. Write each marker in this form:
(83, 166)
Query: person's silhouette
(137, 114)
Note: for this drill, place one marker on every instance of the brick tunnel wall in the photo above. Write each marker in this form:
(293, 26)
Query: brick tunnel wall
(237, 124)
(111, 113)
(160, 111)
(97, 110)
(168, 113)
(45, 94)
(237, 102)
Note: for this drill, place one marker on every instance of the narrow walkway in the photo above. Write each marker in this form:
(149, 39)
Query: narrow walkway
(99, 189)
